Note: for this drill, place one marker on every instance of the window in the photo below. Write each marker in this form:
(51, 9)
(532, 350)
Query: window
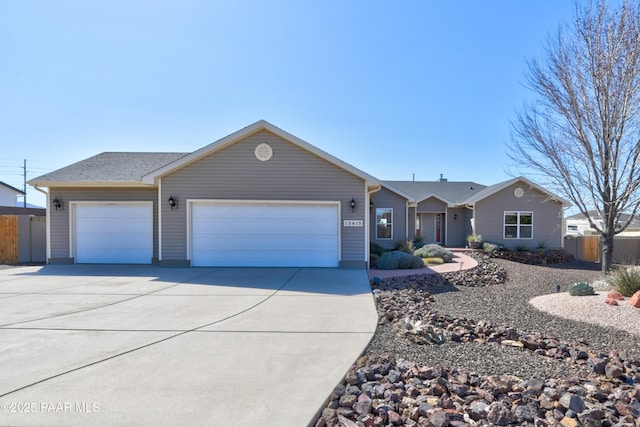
(518, 225)
(384, 223)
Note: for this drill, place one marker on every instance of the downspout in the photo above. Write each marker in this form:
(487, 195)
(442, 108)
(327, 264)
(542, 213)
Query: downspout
(48, 223)
(159, 203)
(367, 234)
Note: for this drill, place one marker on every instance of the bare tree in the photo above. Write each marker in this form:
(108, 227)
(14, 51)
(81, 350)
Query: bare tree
(581, 135)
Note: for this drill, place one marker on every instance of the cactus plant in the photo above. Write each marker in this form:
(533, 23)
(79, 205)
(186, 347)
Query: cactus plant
(581, 289)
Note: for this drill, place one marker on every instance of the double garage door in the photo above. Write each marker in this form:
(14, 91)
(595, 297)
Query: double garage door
(262, 234)
(244, 234)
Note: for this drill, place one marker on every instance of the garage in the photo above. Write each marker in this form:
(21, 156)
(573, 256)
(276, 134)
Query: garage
(113, 233)
(264, 234)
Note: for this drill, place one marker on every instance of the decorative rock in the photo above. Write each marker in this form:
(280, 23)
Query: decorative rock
(611, 301)
(499, 414)
(615, 295)
(394, 418)
(439, 418)
(635, 300)
(478, 410)
(569, 422)
(572, 401)
(613, 370)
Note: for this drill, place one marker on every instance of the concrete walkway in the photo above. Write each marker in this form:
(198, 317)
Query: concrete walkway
(117, 345)
(461, 261)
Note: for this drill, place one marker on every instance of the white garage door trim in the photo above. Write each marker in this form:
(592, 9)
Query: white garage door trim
(144, 251)
(255, 262)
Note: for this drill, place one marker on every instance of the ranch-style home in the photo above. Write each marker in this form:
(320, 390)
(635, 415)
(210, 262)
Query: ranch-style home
(263, 197)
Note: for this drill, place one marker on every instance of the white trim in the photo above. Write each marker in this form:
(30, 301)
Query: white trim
(518, 225)
(502, 185)
(191, 202)
(392, 222)
(72, 217)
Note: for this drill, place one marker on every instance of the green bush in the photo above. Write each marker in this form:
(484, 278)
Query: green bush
(625, 280)
(397, 260)
(376, 249)
(581, 289)
(418, 238)
(405, 246)
(490, 247)
(434, 251)
(433, 261)
(373, 260)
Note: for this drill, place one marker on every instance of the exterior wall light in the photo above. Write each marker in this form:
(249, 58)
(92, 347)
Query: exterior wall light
(57, 204)
(371, 204)
(353, 205)
(455, 217)
(173, 202)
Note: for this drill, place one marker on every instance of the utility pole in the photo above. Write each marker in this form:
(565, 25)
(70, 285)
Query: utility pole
(24, 184)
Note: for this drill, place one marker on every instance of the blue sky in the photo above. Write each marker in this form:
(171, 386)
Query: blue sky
(394, 88)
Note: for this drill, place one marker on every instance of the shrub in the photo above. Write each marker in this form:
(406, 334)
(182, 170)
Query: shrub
(581, 289)
(397, 260)
(375, 249)
(433, 261)
(625, 280)
(490, 247)
(405, 246)
(434, 251)
(418, 238)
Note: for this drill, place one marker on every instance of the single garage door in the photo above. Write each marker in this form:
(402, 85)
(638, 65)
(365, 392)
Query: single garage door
(243, 234)
(115, 233)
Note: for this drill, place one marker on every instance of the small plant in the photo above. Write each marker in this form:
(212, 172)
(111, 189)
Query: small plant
(405, 246)
(542, 245)
(521, 248)
(490, 247)
(474, 238)
(433, 261)
(418, 238)
(625, 280)
(397, 260)
(581, 289)
(376, 249)
(434, 251)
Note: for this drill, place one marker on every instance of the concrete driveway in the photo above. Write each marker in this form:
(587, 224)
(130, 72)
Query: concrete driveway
(134, 345)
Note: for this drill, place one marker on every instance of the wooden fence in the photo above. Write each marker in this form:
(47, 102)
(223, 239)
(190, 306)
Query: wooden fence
(626, 250)
(8, 239)
(22, 239)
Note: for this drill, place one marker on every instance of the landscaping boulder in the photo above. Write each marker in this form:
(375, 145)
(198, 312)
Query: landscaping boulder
(611, 301)
(615, 295)
(635, 300)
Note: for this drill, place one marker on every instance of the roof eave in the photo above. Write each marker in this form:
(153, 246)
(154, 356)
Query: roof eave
(50, 184)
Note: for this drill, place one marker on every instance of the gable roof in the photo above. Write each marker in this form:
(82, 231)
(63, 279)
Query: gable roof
(454, 193)
(107, 168)
(153, 176)
(462, 193)
(14, 189)
(399, 192)
(492, 189)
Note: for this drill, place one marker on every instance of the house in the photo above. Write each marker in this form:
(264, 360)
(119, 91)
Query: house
(513, 213)
(578, 225)
(257, 197)
(263, 197)
(9, 195)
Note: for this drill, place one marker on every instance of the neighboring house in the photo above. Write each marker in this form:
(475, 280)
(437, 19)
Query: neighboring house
(9, 195)
(263, 197)
(514, 213)
(578, 225)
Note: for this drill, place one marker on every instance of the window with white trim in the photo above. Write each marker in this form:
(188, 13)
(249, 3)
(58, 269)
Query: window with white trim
(518, 225)
(384, 223)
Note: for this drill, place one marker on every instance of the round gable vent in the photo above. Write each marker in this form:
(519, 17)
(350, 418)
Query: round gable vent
(264, 152)
(518, 192)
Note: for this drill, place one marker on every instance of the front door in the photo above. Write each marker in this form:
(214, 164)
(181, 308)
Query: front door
(438, 220)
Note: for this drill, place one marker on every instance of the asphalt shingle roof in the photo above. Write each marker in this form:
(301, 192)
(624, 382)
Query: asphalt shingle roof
(110, 167)
(453, 192)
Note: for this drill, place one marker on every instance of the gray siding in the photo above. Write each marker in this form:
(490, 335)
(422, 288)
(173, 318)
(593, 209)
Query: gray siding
(457, 227)
(432, 205)
(547, 217)
(388, 199)
(412, 223)
(60, 218)
(234, 173)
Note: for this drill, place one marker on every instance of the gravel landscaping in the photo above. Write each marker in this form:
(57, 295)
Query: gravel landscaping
(468, 349)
